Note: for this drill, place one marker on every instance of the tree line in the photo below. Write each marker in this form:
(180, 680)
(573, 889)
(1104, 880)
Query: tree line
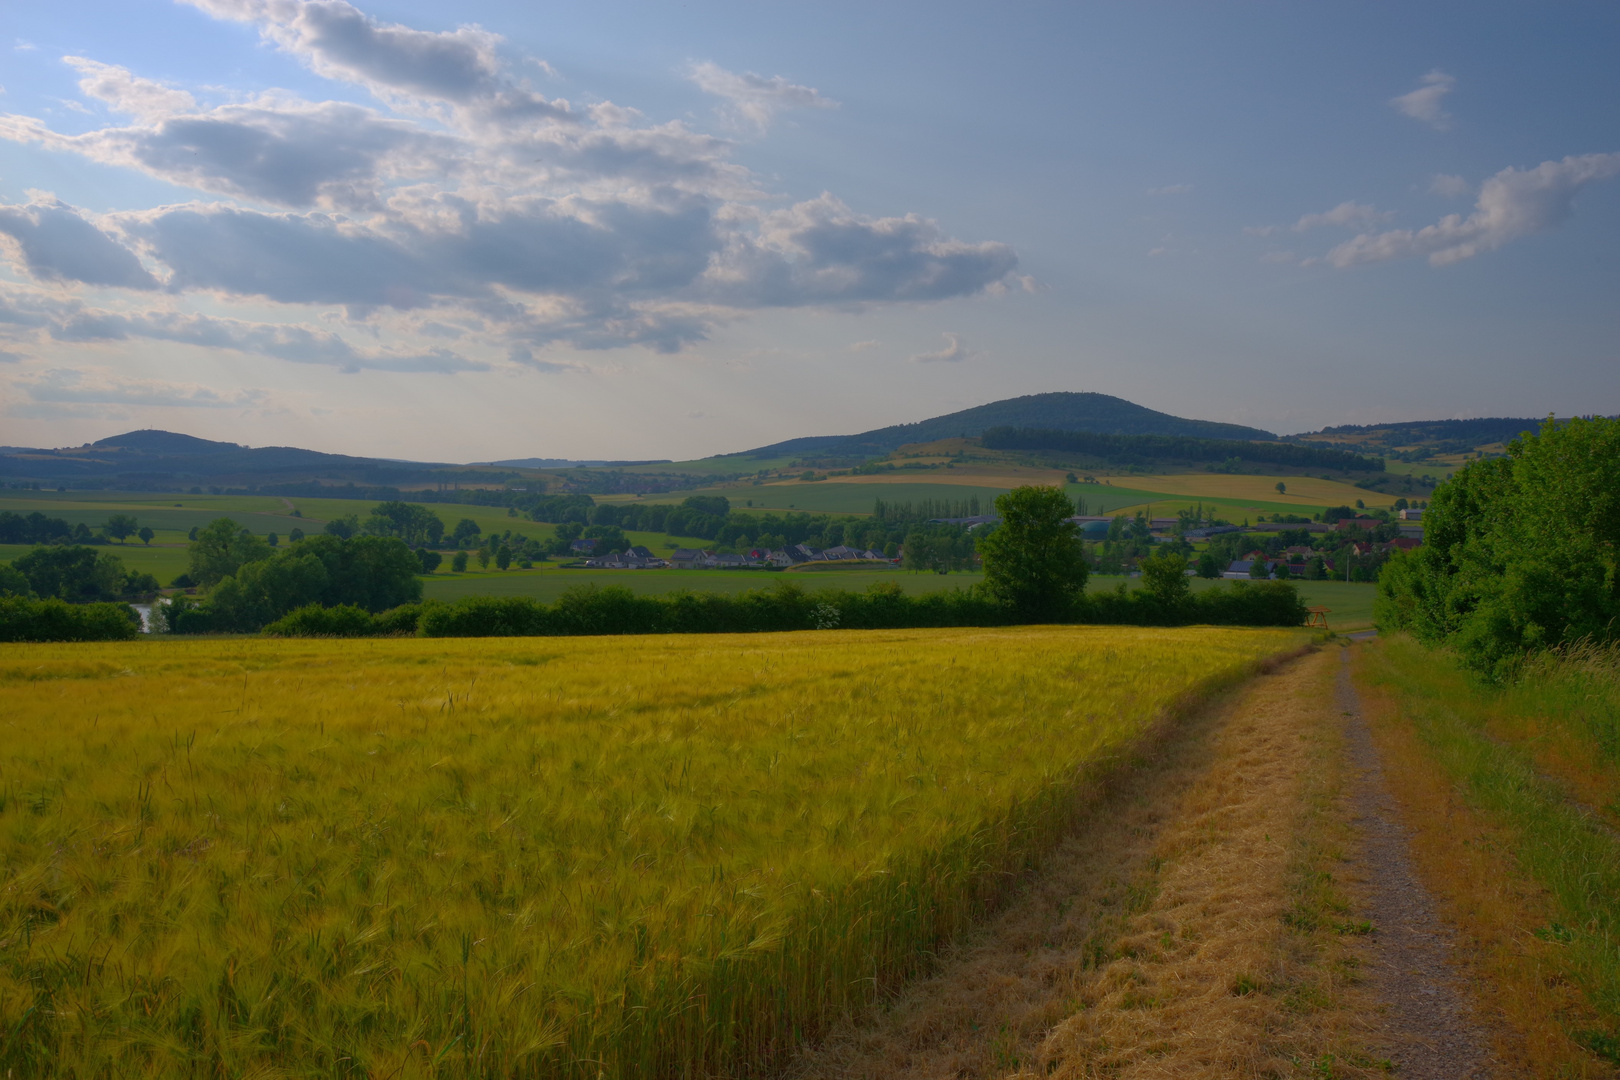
(1521, 553)
(36, 528)
(1134, 449)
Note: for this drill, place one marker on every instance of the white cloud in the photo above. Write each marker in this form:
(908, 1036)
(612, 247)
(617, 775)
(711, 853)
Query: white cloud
(127, 93)
(25, 315)
(1425, 104)
(1346, 214)
(464, 205)
(457, 68)
(753, 100)
(1511, 204)
(101, 388)
(69, 387)
(55, 243)
(1449, 186)
(1172, 189)
(953, 352)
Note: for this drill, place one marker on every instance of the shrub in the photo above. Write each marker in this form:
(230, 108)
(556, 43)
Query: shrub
(1519, 552)
(313, 620)
(616, 610)
(56, 620)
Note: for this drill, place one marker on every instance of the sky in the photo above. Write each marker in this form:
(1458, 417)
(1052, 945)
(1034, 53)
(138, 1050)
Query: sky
(667, 230)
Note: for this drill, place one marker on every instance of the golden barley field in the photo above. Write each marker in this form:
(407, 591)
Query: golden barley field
(602, 857)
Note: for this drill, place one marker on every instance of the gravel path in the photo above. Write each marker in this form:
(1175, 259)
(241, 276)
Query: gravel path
(1427, 1028)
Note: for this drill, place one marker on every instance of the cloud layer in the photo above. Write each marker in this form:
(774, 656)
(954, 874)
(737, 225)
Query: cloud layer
(461, 196)
(1511, 204)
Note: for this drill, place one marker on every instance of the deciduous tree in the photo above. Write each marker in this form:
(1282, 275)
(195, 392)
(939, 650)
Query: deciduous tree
(1033, 561)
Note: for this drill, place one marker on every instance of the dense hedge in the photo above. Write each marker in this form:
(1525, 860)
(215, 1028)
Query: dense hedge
(345, 620)
(591, 610)
(1520, 553)
(22, 619)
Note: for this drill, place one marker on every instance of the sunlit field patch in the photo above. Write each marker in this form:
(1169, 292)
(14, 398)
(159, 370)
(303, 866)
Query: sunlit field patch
(540, 857)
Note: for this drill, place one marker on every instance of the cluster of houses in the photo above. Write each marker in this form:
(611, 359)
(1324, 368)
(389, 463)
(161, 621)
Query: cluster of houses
(639, 558)
(1297, 559)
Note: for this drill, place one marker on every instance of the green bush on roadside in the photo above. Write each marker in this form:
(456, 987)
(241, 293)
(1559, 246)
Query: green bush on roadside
(22, 619)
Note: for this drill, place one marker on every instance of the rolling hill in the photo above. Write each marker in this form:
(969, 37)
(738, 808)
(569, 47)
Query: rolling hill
(1099, 413)
(150, 458)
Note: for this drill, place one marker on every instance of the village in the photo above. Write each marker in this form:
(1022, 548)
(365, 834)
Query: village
(1293, 561)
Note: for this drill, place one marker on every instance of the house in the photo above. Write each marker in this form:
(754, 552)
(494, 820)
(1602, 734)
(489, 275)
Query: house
(1404, 543)
(1346, 524)
(810, 554)
(1240, 568)
(1213, 530)
(844, 552)
(639, 552)
(688, 558)
(781, 559)
(727, 562)
(1298, 552)
(1411, 515)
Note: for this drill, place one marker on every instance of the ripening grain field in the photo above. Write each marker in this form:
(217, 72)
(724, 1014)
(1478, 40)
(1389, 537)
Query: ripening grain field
(657, 856)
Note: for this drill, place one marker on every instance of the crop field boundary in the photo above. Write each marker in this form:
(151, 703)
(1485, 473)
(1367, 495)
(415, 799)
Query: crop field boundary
(1191, 925)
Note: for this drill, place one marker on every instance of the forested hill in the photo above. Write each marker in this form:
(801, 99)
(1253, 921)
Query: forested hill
(151, 458)
(1157, 449)
(1463, 434)
(1100, 413)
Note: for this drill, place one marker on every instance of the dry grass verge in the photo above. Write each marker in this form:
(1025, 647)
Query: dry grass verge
(1191, 926)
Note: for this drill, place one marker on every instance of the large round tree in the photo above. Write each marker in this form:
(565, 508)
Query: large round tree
(1033, 561)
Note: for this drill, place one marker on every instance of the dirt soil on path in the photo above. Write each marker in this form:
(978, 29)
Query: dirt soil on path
(1198, 924)
(1427, 1023)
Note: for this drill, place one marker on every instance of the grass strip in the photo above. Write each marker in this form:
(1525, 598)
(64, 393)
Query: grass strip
(1528, 873)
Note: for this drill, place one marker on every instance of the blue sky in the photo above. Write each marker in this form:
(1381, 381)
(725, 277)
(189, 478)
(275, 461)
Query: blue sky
(656, 230)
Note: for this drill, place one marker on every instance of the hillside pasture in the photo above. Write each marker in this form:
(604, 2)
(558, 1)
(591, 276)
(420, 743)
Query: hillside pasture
(412, 858)
(1305, 493)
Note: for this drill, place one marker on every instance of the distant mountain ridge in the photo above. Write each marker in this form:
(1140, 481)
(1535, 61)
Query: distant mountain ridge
(151, 458)
(1102, 414)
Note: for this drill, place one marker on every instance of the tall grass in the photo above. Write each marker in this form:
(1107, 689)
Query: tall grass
(575, 858)
(1537, 758)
